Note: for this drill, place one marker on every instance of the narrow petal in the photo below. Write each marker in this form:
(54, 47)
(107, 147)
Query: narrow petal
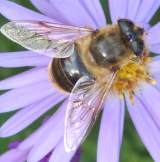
(133, 7)
(157, 86)
(26, 96)
(48, 141)
(77, 156)
(155, 48)
(149, 95)
(118, 9)
(23, 58)
(137, 10)
(14, 11)
(45, 7)
(72, 13)
(152, 35)
(13, 155)
(28, 115)
(146, 127)
(59, 154)
(154, 66)
(110, 136)
(146, 10)
(13, 144)
(156, 58)
(42, 132)
(28, 77)
(94, 9)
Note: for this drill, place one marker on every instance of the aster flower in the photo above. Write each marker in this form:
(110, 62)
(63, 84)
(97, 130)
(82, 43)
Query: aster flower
(31, 101)
(19, 151)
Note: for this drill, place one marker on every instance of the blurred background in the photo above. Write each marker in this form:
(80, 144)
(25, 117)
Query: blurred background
(132, 148)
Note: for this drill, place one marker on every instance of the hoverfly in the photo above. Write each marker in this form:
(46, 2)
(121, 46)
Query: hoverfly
(84, 64)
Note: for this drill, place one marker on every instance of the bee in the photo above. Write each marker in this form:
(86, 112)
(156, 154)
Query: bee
(84, 64)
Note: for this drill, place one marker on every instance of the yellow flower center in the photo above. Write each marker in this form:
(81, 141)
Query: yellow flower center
(130, 75)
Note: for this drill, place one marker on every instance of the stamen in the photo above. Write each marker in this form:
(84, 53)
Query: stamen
(131, 75)
(152, 81)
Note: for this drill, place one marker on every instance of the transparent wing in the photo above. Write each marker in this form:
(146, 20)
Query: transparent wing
(54, 40)
(84, 105)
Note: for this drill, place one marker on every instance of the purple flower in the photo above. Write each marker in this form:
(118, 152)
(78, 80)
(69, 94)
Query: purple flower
(33, 94)
(19, 150)
(13, 144)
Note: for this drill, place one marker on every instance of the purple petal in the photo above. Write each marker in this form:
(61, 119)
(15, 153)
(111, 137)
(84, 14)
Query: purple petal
(155, 48)
(94, 9)
(133, 7)
(59, 154)
(146, 10)
(77, 156)
(118, 9)
(154, 66)
(28, 77)
(72, 13)
(46, 158)
(42, 132)
(28, 115)
(13, 144)
(139, 11)
(152, 34)
(14, 11)
(146, 127)
(14, 156)
(26, 96)
(23, 58)
(156, 58)
(157, 78)
(111, 130)
(49, 140)
(154, 44)
(45, 7)
(149, 95)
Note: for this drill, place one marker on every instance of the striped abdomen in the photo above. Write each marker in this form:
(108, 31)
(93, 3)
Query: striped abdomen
(65, 72)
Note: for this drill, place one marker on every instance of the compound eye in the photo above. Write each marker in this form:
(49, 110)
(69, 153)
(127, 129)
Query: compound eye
(131, 36)
(137, 46)
(125, 26)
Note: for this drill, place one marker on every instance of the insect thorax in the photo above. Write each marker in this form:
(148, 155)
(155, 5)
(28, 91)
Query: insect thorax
(108, 49)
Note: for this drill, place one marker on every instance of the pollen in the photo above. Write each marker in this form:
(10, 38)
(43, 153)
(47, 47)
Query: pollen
(130, 76)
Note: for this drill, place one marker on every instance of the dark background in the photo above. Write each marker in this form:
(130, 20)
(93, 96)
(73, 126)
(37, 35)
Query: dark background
(132, 148)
